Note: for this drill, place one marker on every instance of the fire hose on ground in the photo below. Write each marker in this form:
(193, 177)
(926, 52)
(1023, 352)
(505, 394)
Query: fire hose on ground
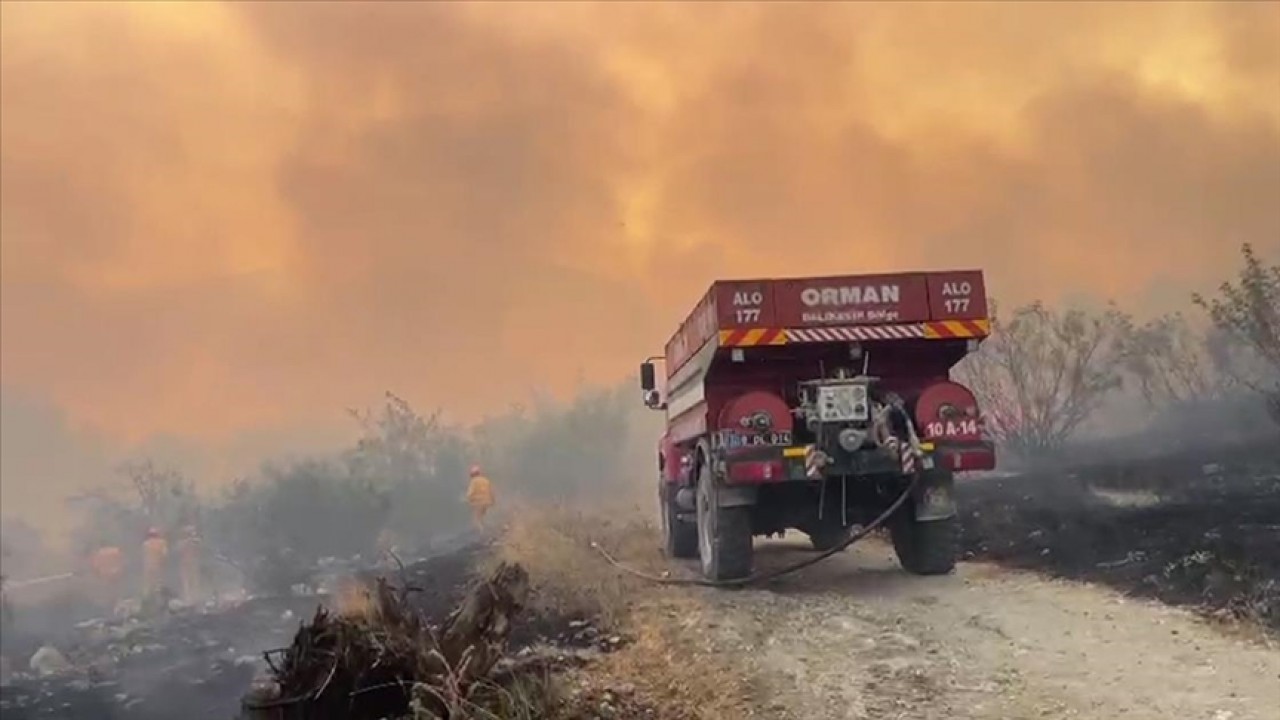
(853, 537)
(17, 584)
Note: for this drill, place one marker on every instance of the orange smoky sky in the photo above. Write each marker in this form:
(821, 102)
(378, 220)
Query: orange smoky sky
(218, 218)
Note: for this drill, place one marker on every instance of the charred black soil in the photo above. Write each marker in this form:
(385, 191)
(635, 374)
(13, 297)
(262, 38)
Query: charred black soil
(1199, 529)
(197, 665)
(192, 665)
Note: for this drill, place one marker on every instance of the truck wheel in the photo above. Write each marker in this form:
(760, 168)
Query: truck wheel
(679, 537)
(724, 533)
(924, 548)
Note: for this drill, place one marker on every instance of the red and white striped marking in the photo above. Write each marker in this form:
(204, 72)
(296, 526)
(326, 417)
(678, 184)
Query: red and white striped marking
(907, 455)
(814, 459)
(908, 460)
(862, 332)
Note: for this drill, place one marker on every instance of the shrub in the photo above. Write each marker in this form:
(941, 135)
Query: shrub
(1170, 363)
(1247, 313)
(275, 531)
(566, 452)
(146, 496)
(419, 463)
(1042, 373)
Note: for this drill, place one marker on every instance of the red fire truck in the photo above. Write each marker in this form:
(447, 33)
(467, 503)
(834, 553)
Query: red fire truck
(813, 404)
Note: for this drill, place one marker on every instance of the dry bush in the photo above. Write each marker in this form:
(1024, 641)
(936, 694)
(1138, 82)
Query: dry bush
(1042, 373)
(565, 452)
(165, 497)
(1170, 363)
(23, 552)
(569, 577)
(403, 475)
(146, 495)
(418, 462)
(1248, 313)
(276, 531)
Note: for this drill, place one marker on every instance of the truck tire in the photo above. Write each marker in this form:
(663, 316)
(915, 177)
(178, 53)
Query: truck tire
(679, 537)
(724, 533)
(924, 548)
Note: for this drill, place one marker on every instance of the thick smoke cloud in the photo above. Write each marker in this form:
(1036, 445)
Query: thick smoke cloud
(219, 218)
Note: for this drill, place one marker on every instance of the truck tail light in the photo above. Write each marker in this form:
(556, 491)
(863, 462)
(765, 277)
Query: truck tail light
(755, 472)
(973, 457)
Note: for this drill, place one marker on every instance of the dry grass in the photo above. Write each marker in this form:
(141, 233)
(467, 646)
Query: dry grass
(662, 666)
(529, 696)
(672, 671)
(569, 577)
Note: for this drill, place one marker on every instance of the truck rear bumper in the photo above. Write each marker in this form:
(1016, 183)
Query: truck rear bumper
(768, 465)
(960, 458)
(759, 466)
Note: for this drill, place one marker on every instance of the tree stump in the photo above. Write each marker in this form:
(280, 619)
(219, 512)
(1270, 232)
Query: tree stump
(375, 663)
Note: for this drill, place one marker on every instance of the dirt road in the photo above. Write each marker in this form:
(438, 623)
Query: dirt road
(854, 637)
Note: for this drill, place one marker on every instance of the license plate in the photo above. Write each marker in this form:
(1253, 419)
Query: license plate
(734, 441)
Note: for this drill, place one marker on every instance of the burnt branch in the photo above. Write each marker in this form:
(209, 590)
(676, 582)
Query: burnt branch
(378, 659)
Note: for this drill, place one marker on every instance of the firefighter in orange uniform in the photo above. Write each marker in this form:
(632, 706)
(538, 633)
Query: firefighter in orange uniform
(107, 566)
(189, 558)
(479, 496)
(155, 552)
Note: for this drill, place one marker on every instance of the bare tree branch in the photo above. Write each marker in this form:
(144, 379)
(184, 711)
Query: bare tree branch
(1248, 313)
(1042, 373)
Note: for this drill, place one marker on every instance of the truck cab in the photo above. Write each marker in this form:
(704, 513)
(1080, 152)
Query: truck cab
(813, 404)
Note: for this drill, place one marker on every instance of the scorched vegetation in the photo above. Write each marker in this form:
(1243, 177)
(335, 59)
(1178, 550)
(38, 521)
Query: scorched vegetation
(1185, 509)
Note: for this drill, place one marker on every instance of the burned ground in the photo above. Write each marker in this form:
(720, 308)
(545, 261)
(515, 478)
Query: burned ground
(437, 584)
(1199, 528)
(197, 665)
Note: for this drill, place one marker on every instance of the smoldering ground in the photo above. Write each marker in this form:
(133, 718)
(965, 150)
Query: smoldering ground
(1194, 527)
(293, 538)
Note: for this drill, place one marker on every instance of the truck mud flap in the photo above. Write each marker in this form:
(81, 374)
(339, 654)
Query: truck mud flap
(933, 496)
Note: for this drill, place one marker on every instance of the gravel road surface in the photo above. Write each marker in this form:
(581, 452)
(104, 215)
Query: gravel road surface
(855, 637)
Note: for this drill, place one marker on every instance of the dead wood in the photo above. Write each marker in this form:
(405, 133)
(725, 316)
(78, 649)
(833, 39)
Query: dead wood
(376, 662)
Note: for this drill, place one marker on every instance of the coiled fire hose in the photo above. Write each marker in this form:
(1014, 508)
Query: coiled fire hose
(772, 574)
